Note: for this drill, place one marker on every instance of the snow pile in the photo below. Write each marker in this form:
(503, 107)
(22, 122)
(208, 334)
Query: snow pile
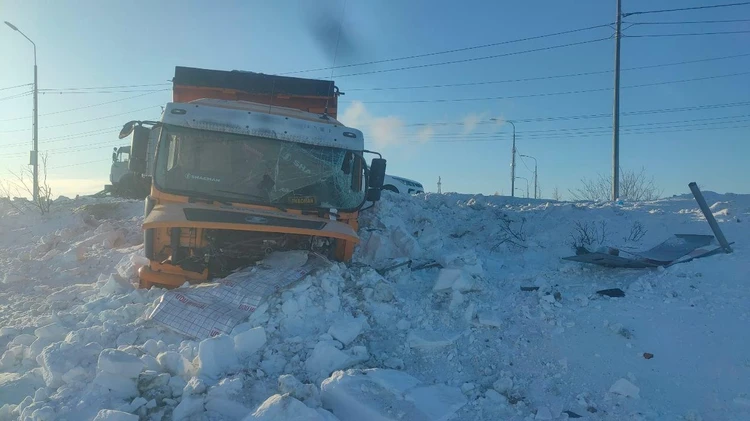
(455, 307)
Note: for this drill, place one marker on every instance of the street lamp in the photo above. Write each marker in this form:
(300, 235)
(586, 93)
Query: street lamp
(35, 152)
(512, 160)
(527, 186)
(535, 178)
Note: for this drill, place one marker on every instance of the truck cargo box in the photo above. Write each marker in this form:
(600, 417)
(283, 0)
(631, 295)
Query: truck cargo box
(311, 95)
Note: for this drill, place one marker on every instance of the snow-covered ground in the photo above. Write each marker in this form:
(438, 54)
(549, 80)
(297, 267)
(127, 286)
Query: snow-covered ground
(459, 341)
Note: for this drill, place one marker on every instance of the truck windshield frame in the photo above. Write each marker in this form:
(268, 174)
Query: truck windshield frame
(228, 167)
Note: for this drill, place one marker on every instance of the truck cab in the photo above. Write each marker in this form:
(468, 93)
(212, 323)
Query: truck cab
(120, 159)
(234, 179)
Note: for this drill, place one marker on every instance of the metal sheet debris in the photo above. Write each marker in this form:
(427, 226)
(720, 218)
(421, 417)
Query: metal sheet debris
(206, 310)
(678, 249)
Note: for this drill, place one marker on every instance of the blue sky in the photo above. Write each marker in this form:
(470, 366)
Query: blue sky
(90, 44)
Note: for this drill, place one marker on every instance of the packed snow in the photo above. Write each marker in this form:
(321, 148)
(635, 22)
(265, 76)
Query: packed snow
(455, 307)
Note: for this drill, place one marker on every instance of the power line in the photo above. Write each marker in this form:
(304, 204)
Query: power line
(84, 121)
(455, 50)
(713, 6)
(605, 134)
(687, 34)
(78, 164)
(71, 149)
(598, 72)
(634, 126)
(688, 22)
(72, 136)
(594, 116)
(51, 92)
(14, 87)
(544, 94)
(568, 132)
(109, 87)
(421, 66)
(21, 95)
(87, 106)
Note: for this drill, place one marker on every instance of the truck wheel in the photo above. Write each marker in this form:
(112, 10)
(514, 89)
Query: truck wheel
(390, 188)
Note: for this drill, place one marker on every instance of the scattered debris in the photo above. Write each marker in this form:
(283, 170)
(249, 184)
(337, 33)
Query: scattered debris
(648, 355)
(612, 292)
(678, 249)
(624, 388)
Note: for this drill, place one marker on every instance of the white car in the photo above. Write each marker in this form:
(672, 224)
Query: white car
(402, 185)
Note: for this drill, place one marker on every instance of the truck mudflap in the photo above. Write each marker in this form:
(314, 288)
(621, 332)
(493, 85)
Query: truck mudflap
(238, 219)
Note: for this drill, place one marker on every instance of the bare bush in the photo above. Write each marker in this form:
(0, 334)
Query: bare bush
(556, 194)
(637, 232)
(511, 232)
(588, 234)
(22, 185)
(635, 186)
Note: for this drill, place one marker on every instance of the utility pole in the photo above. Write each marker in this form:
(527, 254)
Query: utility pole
(34, 157)
(513, 163)
(439, 184)
(616, 111)
(535, 174)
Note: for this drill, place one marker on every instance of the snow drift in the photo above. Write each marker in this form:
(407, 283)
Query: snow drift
(429, 322)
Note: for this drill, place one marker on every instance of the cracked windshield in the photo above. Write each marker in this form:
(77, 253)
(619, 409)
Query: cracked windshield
(256, 169)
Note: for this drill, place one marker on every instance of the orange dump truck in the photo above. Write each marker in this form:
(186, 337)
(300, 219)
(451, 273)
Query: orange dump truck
(243, 164)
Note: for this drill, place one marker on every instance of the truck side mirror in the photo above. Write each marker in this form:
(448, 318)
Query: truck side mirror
(139, 150)
(126, 130)
(377, 173)
(377, 178)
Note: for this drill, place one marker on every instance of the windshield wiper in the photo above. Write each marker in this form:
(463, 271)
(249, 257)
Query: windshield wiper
(237, 193)
(260, 200)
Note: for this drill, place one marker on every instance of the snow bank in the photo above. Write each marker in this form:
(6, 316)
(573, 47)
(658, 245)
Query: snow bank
(379, 394)
(433, 319)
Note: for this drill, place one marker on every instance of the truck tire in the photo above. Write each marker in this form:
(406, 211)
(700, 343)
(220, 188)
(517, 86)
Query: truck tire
(390, 188)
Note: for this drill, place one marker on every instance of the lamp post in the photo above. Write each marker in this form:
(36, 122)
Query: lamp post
(35, 152)
(527, 186)
(512, 160)
(535, 178)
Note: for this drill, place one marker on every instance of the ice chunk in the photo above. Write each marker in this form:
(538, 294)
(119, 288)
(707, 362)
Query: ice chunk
(489, 319)
(287, 408)
(249, 342)
(438, 402)
(326, 358)
(503, 384)
(543, 413)
(188, 406)
(174, 363)
(23, 339)
(112, 415)
(380, 394)
(51, 332)
(307, 393)
(116, 285)
(286, 259)
(15, 387)
(150, 363)
(625, 388)
(346, 331)
(431, 339)
(495, 397)
(446, 278)
(227, 408)
(120, 363)
(453, 278)
(8, 331)
(216, 356)
(118, 386)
